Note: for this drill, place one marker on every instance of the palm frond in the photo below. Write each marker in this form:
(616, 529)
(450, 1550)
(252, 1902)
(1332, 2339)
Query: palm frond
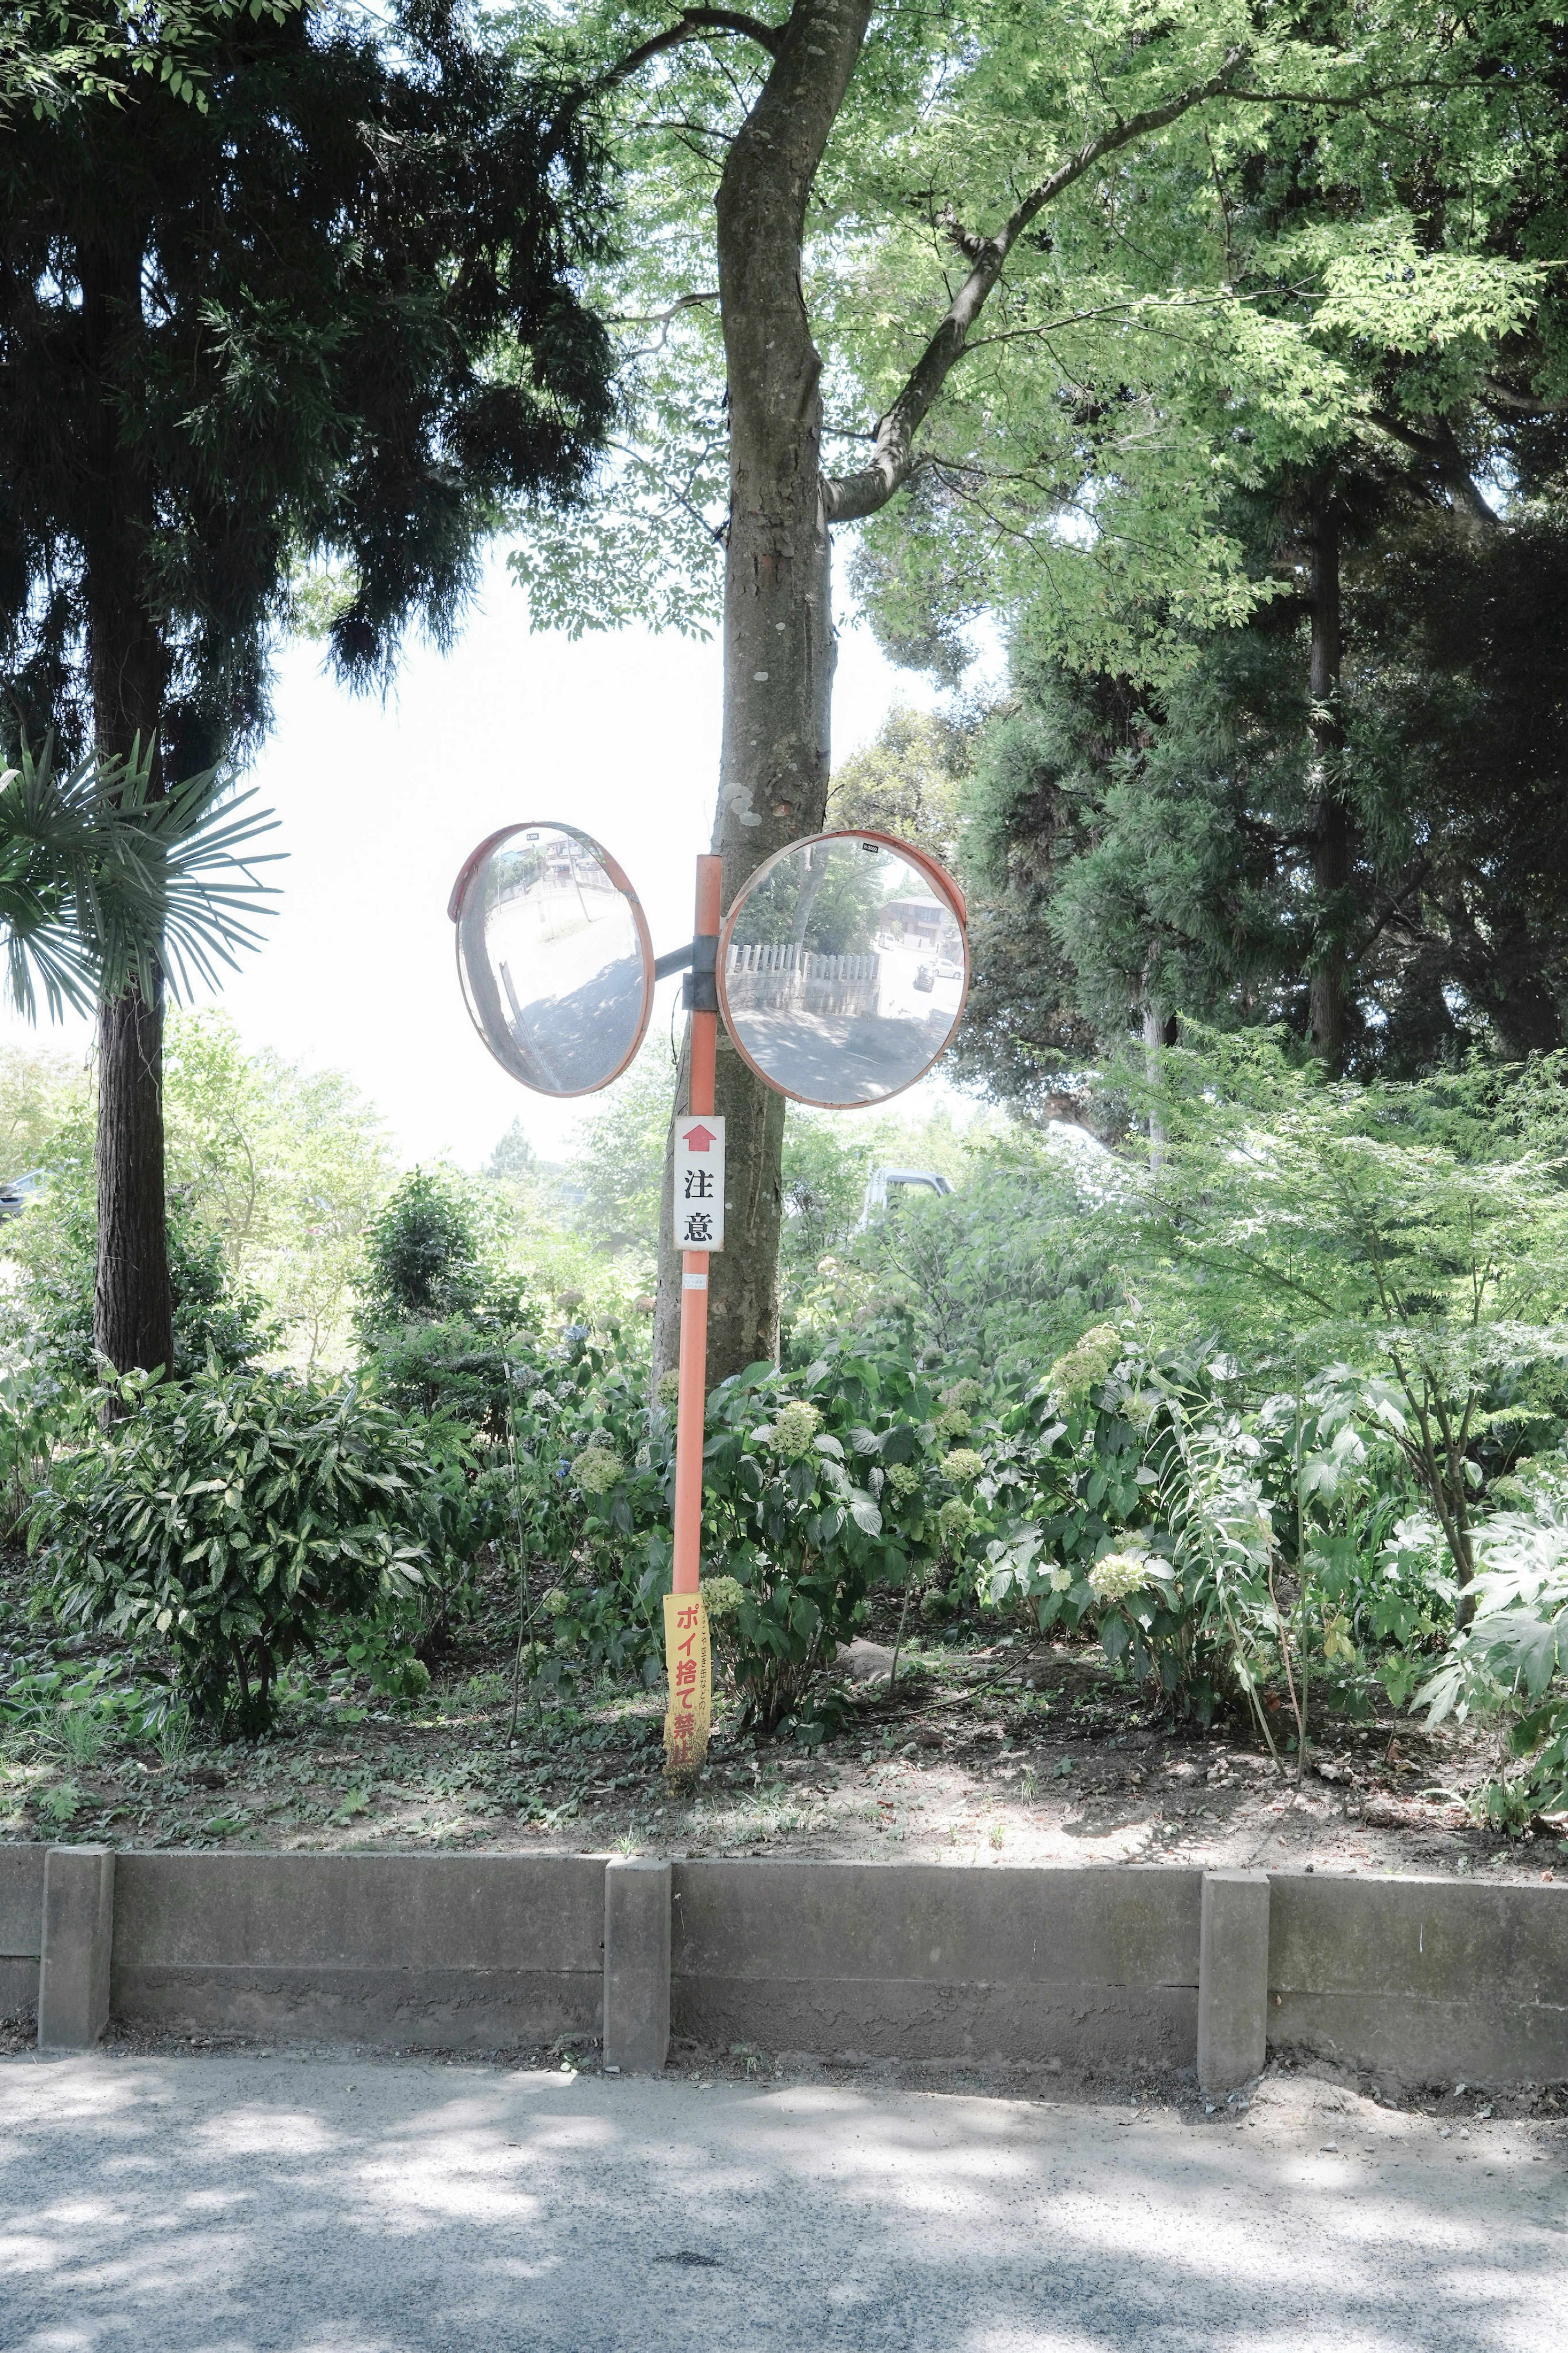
(105, 883)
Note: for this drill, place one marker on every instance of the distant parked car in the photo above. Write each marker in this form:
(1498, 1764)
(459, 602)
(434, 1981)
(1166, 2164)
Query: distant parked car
(883, 1183)
(946, 969)
(925, 979)
(20, 1192)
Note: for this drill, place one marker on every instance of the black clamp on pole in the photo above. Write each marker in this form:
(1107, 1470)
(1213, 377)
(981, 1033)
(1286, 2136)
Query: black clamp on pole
(699, 990)
(698, 959)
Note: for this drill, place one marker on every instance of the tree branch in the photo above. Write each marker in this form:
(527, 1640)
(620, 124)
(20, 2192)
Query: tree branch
(691, 24)
(1442, 452)
(1497, 396)
(851, 496)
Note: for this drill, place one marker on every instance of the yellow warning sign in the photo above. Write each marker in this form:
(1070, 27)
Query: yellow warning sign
(690, 1664)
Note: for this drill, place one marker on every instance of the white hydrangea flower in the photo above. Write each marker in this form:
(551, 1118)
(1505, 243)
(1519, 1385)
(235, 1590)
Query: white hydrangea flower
(596, 1469)
(1118, 1574)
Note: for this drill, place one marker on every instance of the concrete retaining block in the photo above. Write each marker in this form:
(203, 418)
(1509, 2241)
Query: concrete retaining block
(1232, 1978)
(21, 1928)
(636, 1966)
(1420, 1980)
(1413, 1981)
(78, 1936)
(444, 1952)
(919, 1960)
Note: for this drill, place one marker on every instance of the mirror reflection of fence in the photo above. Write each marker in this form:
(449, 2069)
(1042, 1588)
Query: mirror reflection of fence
(773, 976)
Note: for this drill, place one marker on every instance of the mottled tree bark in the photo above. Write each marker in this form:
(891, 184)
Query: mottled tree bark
(778, 618)
(133, 1310)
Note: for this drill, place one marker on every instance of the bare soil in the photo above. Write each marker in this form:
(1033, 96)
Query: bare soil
(1016, 1754)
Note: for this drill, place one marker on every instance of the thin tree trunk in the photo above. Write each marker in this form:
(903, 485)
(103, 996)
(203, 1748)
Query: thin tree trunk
(133, 1310)
(779, 647)
(1159, 1029)
(1332, 828)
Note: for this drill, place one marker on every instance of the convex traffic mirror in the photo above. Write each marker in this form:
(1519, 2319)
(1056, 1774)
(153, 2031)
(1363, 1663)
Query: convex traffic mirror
(554, 958)
(840, 973)
(843, 967)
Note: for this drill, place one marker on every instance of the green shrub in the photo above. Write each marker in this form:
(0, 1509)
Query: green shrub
(1514, 1654)
(55, 1249)
(234, 1519)
(817, 1487)
(463, 1368)
(427, 1254)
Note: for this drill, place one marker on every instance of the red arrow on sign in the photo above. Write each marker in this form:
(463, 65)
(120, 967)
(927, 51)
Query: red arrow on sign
(697, 1139)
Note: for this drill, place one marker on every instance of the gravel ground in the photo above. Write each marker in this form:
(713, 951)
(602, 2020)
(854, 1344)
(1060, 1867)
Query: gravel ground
(226, 2204)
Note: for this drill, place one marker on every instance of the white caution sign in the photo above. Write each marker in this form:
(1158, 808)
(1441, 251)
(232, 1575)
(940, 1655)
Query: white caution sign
(699, 1182)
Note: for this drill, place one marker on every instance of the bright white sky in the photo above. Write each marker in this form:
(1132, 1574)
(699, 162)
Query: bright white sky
(381, 803)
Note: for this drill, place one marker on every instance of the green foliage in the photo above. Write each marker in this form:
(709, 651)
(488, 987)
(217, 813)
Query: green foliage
(35, 1093)
(1166, 841)
(617, 1168)
(1230, 1555)
(816, 1488)
(1417, 1232)
(233, 1519)
(1515, 1650)
(329, 389)
(108, 877)
(425, 1253)
(1003, 1273)
(514, 1156)
(906, 782)
(56, 56)
(39, 1410)
(287, 1167)
(54, 1248)
(439, 1322)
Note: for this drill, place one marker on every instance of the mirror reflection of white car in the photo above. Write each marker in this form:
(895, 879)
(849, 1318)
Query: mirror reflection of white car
(946, 969)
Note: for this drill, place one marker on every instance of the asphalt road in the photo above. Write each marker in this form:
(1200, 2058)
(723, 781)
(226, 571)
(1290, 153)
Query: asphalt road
(220, 2204)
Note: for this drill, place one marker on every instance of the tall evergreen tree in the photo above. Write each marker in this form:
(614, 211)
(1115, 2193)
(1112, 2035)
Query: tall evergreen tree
(331, 311)
(1127, 848)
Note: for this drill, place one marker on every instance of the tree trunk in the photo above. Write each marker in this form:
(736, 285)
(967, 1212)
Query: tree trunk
(133, 1310)
(778, 621)
(1332, 830)
(1159, 1031)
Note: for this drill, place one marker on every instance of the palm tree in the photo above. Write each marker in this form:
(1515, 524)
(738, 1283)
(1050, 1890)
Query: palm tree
(106, 884)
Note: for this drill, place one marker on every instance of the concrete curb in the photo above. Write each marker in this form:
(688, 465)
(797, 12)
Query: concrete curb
(75, 1945)
(638, 1909)
(1411, 1980)
(1232, 1978)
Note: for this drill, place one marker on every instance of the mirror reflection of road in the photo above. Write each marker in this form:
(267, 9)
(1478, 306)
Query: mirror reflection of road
(571, 974)
(851, 1058)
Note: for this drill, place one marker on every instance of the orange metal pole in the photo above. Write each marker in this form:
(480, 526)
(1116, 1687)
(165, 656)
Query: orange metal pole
(692, 1406)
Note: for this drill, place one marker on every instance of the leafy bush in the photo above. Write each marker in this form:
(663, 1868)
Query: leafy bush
(1514, 1652)
(1226, 1554)
(817, 1487)
(234, 1519)
(463, 1366)
(427, 1253)
(440, 1327)
(1002, 1274)
(54, 1247)
(37, 1408)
